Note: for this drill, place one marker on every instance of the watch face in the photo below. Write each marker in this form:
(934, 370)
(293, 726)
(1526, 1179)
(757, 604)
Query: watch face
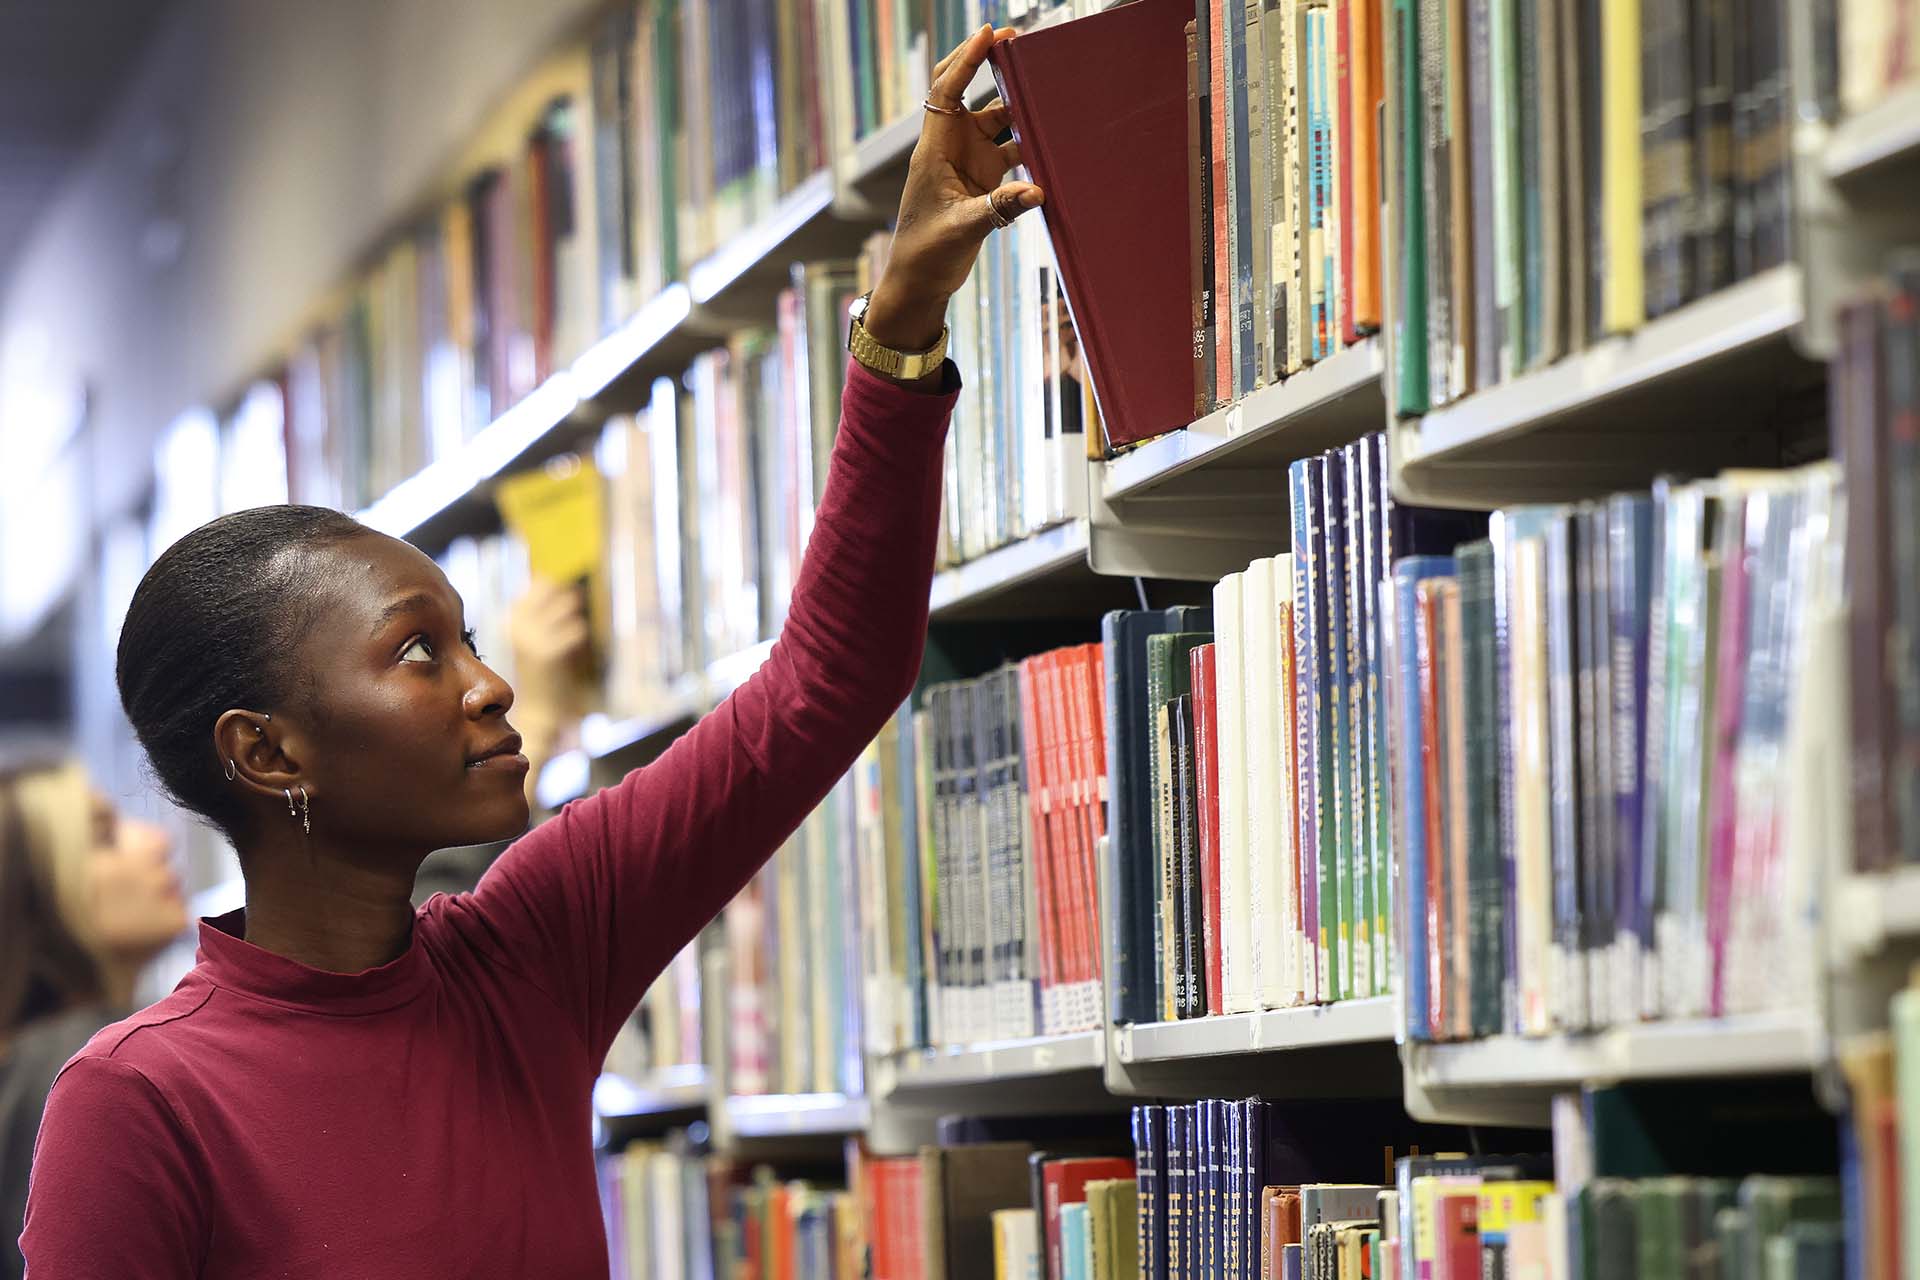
(858, 309)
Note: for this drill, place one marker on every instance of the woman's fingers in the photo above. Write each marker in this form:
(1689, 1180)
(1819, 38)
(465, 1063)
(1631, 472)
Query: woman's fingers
(1010, 154)
(957, 69)
(992, 120)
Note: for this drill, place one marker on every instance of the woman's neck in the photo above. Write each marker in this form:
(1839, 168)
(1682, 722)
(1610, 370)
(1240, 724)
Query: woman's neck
(328, 915)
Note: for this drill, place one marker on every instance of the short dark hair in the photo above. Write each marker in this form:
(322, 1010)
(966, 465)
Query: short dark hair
(209, 629)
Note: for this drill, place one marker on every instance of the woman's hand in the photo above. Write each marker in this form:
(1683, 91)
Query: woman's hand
(944, 212)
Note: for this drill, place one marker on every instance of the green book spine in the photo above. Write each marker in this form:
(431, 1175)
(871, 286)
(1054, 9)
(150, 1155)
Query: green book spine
(1158, 650)
(1486, 957)
(1410, 306)
(1506, 188)
(666, 79)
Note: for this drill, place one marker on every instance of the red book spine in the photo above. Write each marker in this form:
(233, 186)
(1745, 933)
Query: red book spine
(1033, 760)
(1095, 689)
(1343, 18)
(1223, 324)
(1066, 861)
(1065, 1182)
(1207, 775)
(1089, 692)
(1459, 1224)
(1426, 633)
(1073, 673)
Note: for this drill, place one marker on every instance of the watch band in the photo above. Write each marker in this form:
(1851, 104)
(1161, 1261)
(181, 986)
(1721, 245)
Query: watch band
(906, 366)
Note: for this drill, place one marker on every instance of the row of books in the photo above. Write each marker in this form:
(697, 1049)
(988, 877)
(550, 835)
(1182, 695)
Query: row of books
(1874, 395)
(794, 1006)
(463, 313)
(1567, 169)
(1608, 720)
(1016, 447)
(1283, 142)
(999, 1208)
(654, 1198)
(1882, 1072)
(1251, 838)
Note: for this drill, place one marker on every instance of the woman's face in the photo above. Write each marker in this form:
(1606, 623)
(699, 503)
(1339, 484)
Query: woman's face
(132, 889)
(400, 725)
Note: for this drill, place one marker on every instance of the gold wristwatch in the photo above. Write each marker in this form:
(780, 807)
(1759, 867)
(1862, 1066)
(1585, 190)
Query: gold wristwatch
(906, 366)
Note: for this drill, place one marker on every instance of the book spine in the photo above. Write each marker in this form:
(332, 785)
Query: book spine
(1487, 962)
(1624, 286)
(1508, 232)
(1374, 577)
(1485, 114)
(1460, 197)
(1367, 74)
(1322, 246)
(1410, 306)
(1226, 328)
(1436, 172)
(1207, 778)
(1286, 975)
(1198, 219)
(1343, 152)
(1430, 926)
(1246, 355)
(1629, 533)
(1540, 207)
(1711, 32)
(1273, 219)
(1565, 980)
(1189, 918)
(1359, 720)
(1901, 431)
(1311, 736)
(1256, 229)
(1299, 170)
(1336, 835)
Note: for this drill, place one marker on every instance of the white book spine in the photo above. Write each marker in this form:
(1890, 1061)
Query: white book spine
(1238, 907)
(1291, 940)
(1258, 666)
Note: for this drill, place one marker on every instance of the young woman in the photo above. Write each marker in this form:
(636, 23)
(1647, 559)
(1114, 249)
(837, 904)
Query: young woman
(87, 899)
(344, 1086)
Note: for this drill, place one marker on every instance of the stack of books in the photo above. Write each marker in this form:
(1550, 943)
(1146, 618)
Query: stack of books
(654, 1199)
(1567, 169)
(1283, 162)
(1608, 720)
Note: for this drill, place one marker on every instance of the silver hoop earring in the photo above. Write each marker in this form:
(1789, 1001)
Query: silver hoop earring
(306, 813)
(229, 770)
(288, 793)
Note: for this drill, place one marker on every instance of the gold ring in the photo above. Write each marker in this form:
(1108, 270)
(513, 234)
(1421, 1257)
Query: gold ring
(930, 105)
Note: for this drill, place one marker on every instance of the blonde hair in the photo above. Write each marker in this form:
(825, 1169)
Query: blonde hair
(56, 812)
(46, 964)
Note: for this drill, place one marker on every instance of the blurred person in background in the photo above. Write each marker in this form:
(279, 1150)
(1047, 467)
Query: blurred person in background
(349, 1086)
(87, 899)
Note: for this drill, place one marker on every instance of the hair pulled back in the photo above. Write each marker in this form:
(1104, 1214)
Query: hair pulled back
(210, 629)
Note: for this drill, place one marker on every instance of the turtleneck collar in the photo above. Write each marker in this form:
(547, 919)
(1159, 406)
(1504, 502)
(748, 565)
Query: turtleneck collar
(228, 960)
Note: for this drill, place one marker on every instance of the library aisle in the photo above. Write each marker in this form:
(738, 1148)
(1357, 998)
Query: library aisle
(1414, 765)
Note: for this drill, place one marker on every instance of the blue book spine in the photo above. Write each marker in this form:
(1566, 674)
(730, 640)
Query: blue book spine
(1330, 677)
(1304, 494)
(1630, 582)
(1178, 1122)
(1073, 1241)
(1207, 1259)
(1250, 1132)
(1244, 354)
(1306, 727)
(1410, 798)
(1320, 176)
(1150, 1172)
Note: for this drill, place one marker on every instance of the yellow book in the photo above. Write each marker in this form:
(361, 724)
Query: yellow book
(1113, 1209)
(1623, 301)
(1016, 1245)
(1503, 1206)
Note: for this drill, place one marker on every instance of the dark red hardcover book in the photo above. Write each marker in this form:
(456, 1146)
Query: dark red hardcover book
(1459, 1226)
(1206, 729)
(1099, 107)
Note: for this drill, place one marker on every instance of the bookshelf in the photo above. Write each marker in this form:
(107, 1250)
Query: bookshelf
(1049, 1071)
(1877, 141)
(1042, 562)
(1251, 440)
(1683, 392)
(795, 1115)
(1511, 1079)
(670, 1093)
(1271, 1031)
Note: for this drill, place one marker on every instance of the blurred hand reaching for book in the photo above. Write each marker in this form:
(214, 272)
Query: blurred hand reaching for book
(547, 628)
(945, 214)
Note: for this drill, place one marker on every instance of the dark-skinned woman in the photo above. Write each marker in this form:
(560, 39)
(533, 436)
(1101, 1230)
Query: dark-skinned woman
(345, 1086)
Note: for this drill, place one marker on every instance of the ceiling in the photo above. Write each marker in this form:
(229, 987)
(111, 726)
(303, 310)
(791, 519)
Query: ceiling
(62, 65)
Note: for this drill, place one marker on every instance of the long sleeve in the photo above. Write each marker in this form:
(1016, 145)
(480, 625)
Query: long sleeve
(117, 1186)
(593, 904)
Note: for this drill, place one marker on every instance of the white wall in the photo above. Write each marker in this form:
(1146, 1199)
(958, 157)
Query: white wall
(280, 139)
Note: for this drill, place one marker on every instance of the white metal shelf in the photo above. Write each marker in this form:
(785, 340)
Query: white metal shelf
(795, 1115)
(1874, 907)
(1886, 133)
(1745, 1045)
(1052, 550)
(1335, 388)
(987, 1065)
(667, 1091)
(1269, 1031)
(1759, 311)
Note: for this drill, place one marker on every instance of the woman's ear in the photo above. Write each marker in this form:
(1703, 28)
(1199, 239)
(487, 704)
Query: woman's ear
(254, 752)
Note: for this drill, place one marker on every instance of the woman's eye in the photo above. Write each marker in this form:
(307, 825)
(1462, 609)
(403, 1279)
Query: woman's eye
(419, 647)
(472, 641)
